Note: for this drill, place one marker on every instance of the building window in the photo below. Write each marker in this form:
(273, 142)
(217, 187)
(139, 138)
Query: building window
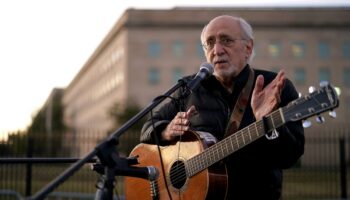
(347, 77)
(178, 49)
(177, 74)
(324, 50)
(299, 76)
(325, 75)
(275, 49)
(346, 49)
(298, 49)
(200, 50)
(154, 76)
(154, 49)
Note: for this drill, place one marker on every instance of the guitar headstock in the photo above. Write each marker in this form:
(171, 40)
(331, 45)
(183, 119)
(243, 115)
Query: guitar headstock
(315, 103)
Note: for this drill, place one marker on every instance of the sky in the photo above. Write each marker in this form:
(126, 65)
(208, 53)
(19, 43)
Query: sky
(44, 44)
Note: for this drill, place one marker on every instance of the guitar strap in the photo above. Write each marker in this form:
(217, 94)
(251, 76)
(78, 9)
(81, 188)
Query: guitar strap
(240, 106)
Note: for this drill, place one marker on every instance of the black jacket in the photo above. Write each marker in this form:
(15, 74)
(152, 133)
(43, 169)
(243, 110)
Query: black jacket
(255, 172)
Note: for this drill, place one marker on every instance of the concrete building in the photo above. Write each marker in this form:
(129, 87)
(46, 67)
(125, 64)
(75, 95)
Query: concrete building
(147, 51)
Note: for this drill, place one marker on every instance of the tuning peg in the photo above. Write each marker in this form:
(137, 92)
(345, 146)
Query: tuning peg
(320, 119)
(324, 83)
(311, 89)
(307, 123)
(337, 90)
(332, 114)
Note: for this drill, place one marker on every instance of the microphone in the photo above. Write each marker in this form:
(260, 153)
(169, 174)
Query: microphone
(149, 172)
(205, 70)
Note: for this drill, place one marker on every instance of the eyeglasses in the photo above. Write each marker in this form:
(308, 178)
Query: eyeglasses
(224, 41)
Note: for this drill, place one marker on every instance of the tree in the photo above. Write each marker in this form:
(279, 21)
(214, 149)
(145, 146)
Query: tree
(16, 144)
(46, 132)
(121, 115)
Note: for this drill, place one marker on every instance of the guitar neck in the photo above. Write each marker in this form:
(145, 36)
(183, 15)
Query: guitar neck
(234, 142)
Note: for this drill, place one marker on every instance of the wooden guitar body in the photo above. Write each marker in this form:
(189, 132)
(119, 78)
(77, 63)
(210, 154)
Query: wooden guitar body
(211, 183)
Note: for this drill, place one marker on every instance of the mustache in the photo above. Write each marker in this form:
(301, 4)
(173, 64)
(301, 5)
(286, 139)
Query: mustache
(220, 61)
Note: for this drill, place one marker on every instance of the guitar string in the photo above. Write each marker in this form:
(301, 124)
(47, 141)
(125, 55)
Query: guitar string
(181, 107)
(164, 183)
(178, 155)
(180, 176)
(221, 147)
(215, 147)
(159, 151)
(179, 173)
(274, 117)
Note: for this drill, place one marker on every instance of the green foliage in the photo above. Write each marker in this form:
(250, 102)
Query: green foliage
(38, 123)
(16, 145)
(45, 140)
(120, 115)
(39, 120)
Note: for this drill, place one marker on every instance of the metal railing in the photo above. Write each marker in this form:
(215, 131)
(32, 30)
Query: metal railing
(322, 173)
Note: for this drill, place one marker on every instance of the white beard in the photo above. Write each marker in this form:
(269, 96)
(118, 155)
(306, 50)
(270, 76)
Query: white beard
(225, 74)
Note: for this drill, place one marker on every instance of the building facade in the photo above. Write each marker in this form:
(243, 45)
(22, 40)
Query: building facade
(147, 51)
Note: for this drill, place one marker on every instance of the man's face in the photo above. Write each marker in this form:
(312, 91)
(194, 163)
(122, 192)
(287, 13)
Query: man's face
(225, 47)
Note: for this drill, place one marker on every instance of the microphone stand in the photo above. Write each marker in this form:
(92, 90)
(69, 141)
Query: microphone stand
(107, 154)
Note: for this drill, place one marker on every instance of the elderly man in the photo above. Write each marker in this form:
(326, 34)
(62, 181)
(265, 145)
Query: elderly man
(235, 96)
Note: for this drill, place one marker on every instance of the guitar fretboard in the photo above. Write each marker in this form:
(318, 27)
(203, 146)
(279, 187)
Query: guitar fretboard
(233, 143)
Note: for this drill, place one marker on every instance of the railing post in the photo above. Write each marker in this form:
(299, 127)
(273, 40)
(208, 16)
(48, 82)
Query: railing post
(29, 166)
(343, 183)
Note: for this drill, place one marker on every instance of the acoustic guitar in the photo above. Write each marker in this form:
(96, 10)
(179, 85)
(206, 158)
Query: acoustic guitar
(192, 168)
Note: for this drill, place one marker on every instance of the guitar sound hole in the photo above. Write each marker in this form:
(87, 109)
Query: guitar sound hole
(178, 174)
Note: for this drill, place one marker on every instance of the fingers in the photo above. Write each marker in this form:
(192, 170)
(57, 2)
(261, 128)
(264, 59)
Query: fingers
(258, 85)
(281, 77)
(280, 74)
(267, 99)
(179, 125)
(191, 111)
(280, 81)
(181, 120)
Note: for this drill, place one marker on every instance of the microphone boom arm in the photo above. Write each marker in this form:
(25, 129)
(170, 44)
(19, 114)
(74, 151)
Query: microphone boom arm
(106, 150)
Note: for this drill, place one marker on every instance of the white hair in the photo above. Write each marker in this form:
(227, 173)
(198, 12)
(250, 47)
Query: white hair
(247, 33)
